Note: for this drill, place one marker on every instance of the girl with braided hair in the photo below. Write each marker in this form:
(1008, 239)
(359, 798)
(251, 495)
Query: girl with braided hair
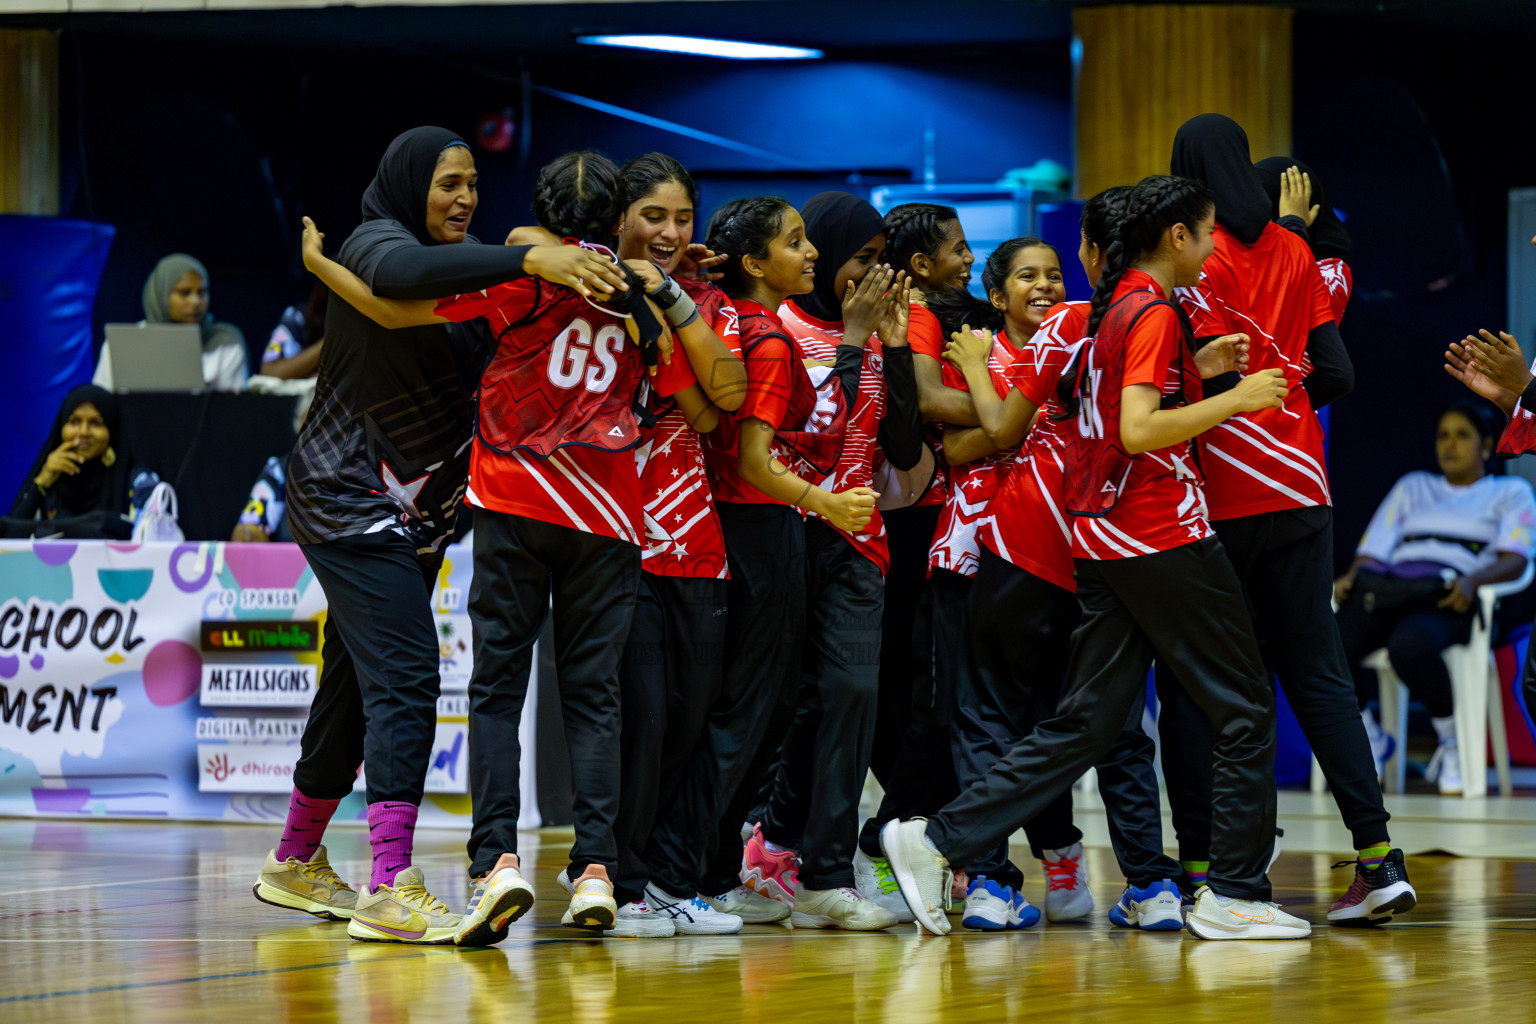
(1271, 505)
(1152, 581)
(760, 468)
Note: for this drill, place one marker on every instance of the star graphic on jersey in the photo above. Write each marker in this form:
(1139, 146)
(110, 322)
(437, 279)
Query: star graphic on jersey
(680, 549)
(973, 483)
(665, 449)
(403, 494)
(674, 472)
(1194, 531)
(677, 518)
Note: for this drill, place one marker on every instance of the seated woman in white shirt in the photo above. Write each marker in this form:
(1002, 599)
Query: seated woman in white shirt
(177, 293)
(1433, 541)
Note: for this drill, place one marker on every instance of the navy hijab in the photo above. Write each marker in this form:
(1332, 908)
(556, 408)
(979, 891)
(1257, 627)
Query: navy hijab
(1213, 150)
(838, 225)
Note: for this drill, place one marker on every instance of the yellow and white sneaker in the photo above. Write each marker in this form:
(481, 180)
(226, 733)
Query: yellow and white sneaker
(500, 898)
(314, 888)
(592, 905)
(403, 912)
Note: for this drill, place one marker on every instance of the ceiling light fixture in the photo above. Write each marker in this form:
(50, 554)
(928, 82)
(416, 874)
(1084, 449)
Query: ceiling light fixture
(728, 48)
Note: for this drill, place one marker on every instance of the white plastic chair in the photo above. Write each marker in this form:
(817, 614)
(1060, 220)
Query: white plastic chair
(1477, 698)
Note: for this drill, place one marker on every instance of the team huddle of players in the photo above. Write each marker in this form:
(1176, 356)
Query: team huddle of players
(802, 506)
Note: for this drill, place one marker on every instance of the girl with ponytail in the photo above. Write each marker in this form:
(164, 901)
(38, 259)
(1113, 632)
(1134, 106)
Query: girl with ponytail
(1152, 581)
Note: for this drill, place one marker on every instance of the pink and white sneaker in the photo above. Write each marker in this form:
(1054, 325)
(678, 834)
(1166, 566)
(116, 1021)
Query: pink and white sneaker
(774, 875)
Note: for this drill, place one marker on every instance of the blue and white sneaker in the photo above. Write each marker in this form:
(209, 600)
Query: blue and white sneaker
(1157, 908)
(990, 907)
(691, 915)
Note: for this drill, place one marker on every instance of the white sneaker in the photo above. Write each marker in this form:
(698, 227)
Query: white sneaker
(876, 882)
(749, 905)
(498, 899)
(691, 916)
(638, 920)
(839, 908)
(1444, 768)
(592, 905)
(921, 871)
(1218, 917)
(1158, 908)
(990, 907)
(1066, 884)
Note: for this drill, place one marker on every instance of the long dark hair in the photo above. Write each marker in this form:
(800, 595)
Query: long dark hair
(744, 227)
(1102, 213)
(913, 228)
(577, 196)
(958, 307)
(1152, 206)
(648, 172)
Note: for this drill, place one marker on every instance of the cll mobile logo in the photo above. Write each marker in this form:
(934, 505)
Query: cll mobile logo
(245, 637)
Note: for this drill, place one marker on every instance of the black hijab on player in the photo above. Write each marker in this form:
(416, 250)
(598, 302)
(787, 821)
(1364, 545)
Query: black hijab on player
(395, 203)
(100, 486)
(838, 225)
(1327, 234)
(1213, 150)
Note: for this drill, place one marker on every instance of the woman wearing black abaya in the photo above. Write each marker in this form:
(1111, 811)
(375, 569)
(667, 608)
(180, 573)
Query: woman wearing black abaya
(1267, 491)
(374, 487)
(83, 477)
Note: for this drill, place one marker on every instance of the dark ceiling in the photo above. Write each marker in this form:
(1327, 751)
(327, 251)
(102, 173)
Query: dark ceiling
(848, 28)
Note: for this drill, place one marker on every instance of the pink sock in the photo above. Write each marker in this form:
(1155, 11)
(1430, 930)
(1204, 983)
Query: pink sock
(305, 827)
(391, 831)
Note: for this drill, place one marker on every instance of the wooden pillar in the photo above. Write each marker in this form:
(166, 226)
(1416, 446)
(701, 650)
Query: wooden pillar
(29, 121)
(1143, 70)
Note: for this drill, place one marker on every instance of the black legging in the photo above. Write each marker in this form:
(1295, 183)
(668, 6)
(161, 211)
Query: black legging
(1413, 641)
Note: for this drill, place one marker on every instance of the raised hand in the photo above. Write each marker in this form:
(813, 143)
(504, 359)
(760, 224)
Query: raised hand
(1499, 359)
(1263, 390)
(893, 327)
(1458, 363)
(697, 262)
(590, 273)
(864, 304)
(1296, 196)
(311, 244)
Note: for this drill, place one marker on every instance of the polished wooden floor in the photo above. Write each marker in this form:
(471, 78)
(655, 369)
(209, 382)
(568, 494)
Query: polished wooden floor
(155, 922)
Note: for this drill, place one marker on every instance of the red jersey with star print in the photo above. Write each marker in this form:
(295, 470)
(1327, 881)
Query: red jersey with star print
(1340, 282)
(819, 339)
(1161, 503)
(562, 356)
(682, 530)
(1028, 526)
(1271, 291)
(968, 507)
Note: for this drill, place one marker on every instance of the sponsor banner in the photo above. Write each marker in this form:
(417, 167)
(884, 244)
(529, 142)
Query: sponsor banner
(228, 685)
(118, 662)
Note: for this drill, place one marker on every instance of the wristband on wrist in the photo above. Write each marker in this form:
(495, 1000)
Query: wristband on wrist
(676, 303)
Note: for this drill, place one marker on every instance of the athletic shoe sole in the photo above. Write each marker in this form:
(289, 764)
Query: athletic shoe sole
(501, 906)
(751, 914)
(597, 914)
(1249, 931)
(363, 932)
(938, 923)
(1380, 907)
(275, 897)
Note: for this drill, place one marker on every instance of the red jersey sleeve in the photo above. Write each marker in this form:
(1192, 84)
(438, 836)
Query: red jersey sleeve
(1048, 352)
(674, 376)
(770, 373)
(1151, 346)
(1320, 301)
(924, 334)
(502, 304)
(1207, 314)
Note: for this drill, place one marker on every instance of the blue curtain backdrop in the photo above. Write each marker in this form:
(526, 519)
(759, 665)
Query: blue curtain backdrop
(49, 271)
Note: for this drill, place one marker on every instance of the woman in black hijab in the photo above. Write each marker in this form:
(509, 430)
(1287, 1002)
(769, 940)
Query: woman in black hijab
(1269, 503)
(374, 488)
(83, 469)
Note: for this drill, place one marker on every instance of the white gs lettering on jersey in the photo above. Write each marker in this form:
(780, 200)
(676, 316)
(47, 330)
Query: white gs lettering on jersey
(574, 346)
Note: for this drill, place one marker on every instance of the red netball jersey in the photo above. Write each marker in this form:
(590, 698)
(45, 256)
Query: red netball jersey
(556, 416)
(969, 506)
(1340, 283)
(1161, 504)
(1273, 292)
(682, 531)
(1028, 526)
(1519, 437)
(819, 339)
(926, 338)
(778, 392)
